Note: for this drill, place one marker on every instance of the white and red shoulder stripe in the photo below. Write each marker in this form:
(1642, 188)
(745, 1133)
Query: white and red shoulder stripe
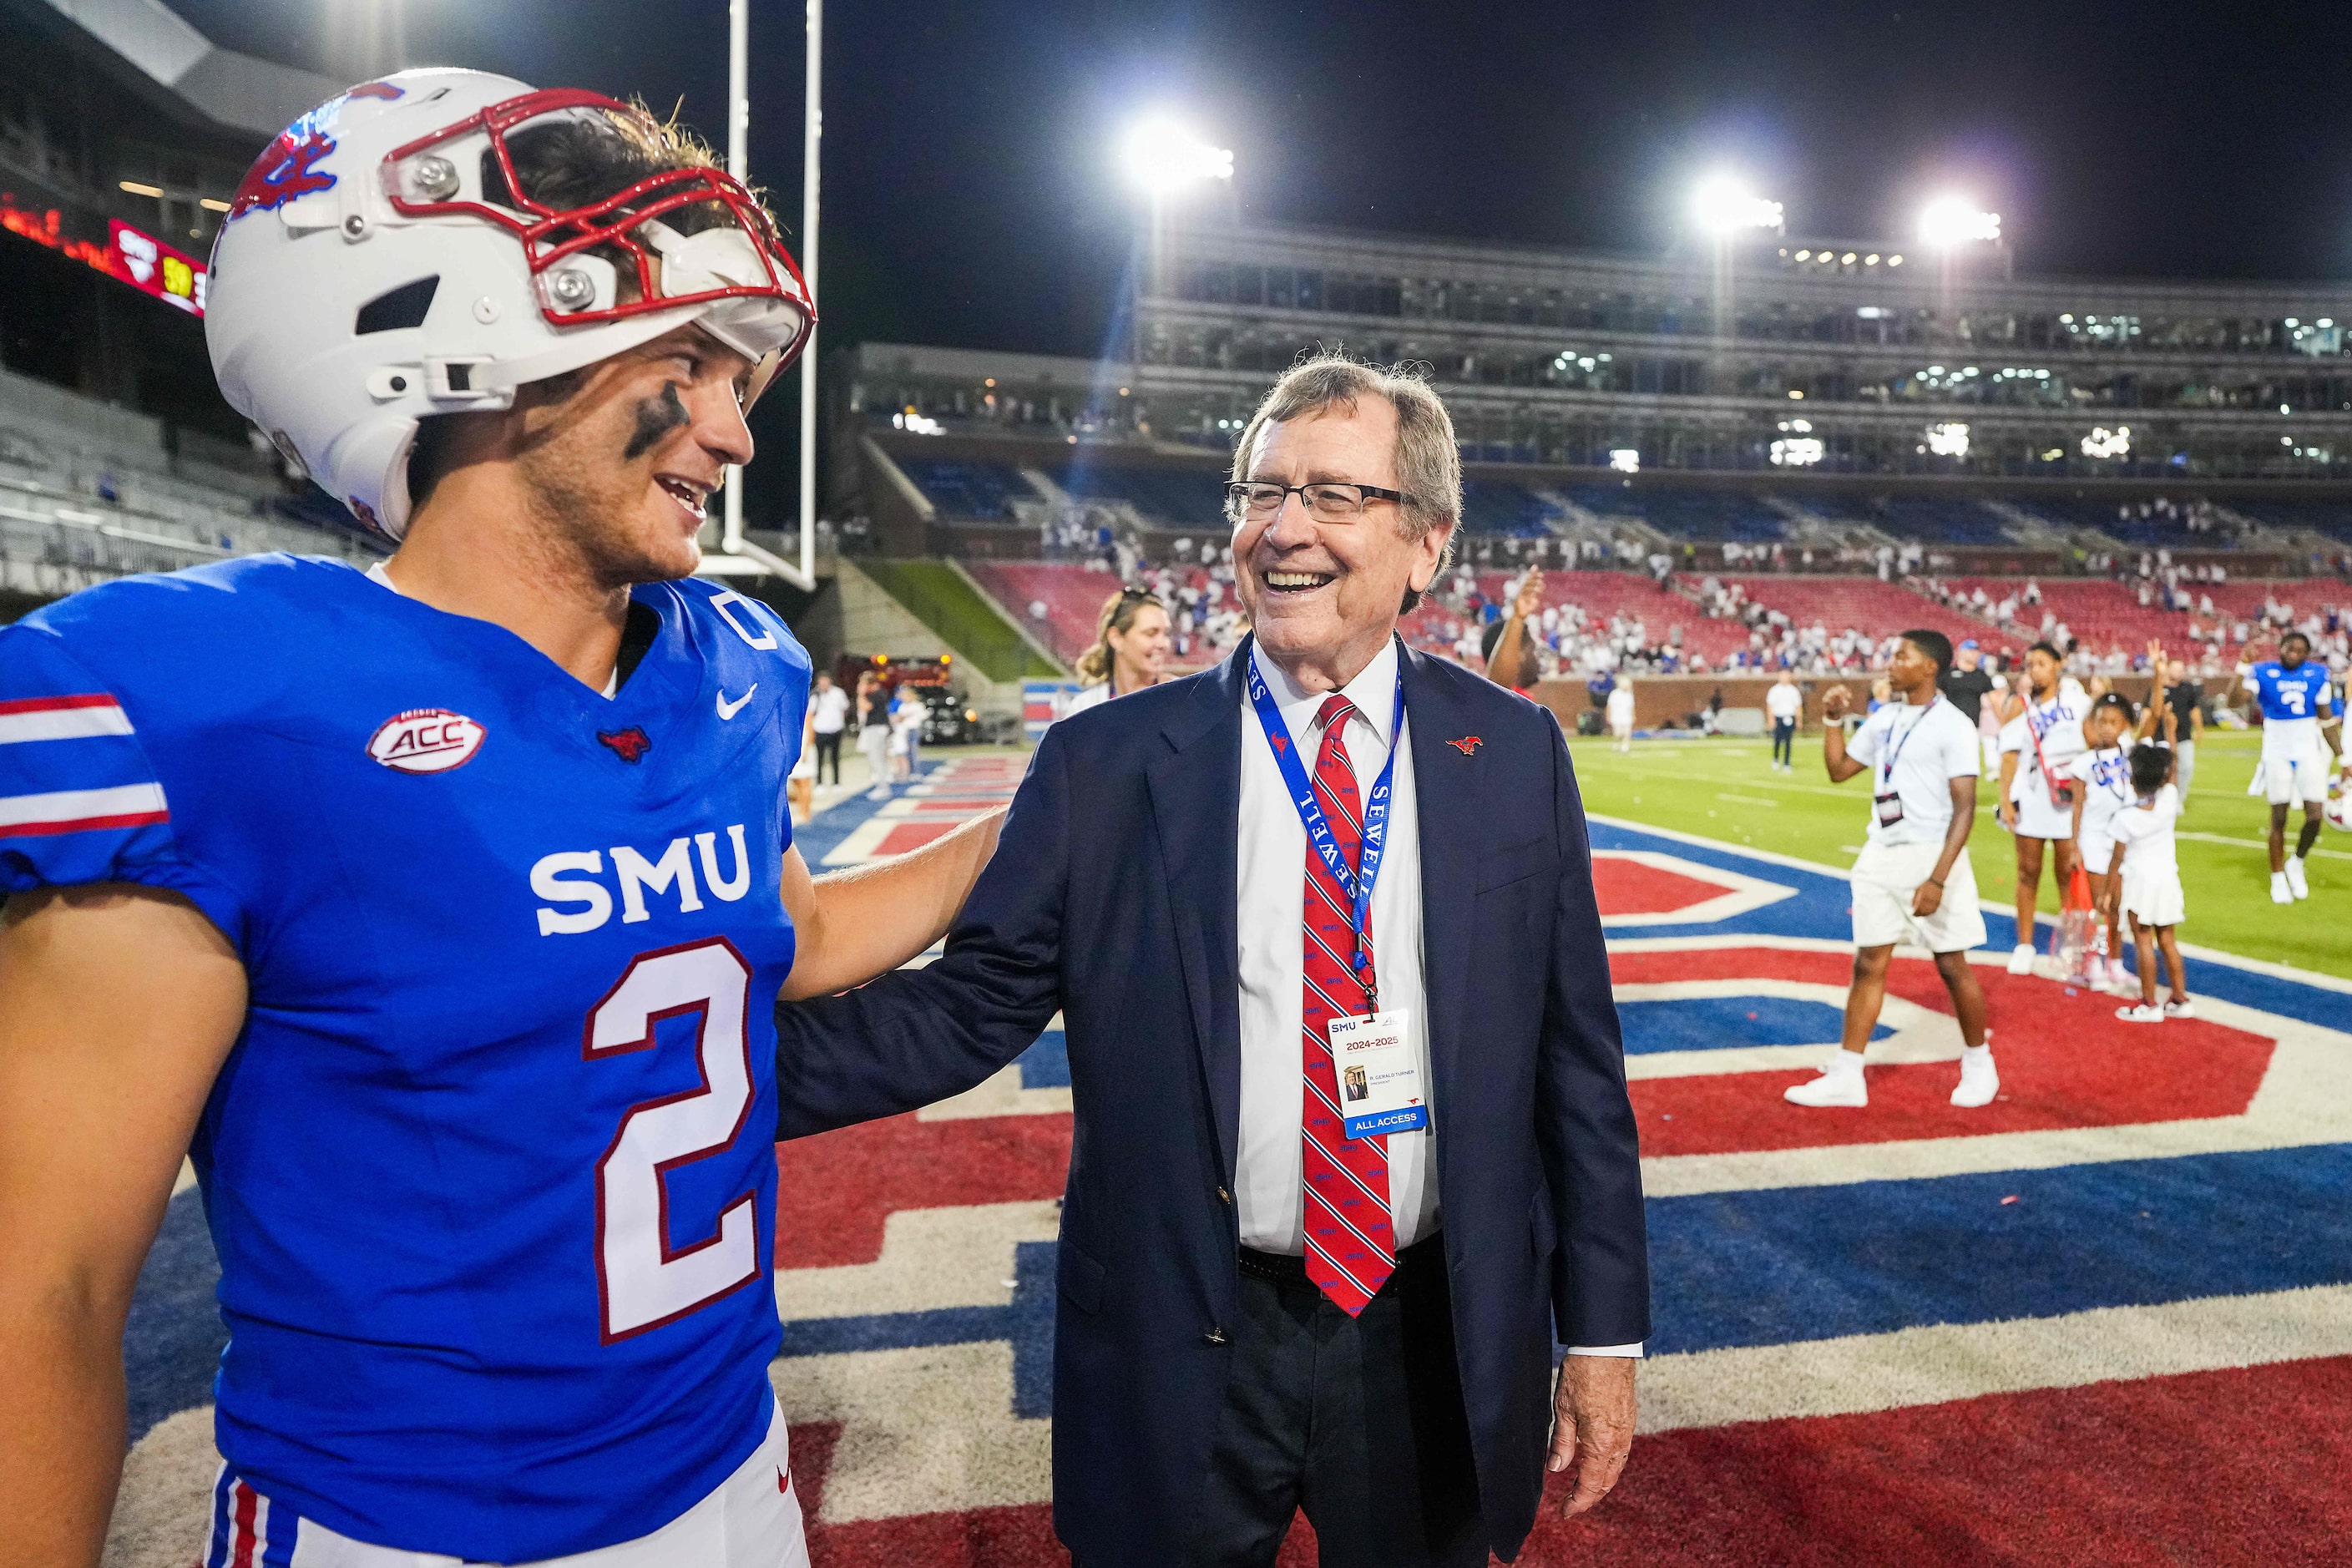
(75, 718)
(82, 810)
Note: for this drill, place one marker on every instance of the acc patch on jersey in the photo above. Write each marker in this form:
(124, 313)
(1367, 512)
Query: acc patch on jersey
(427, 741)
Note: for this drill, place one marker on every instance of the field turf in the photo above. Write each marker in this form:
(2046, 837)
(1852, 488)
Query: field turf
(1725, 788)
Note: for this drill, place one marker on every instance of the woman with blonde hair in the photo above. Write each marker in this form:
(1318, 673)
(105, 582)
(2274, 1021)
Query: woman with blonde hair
(1131, 651)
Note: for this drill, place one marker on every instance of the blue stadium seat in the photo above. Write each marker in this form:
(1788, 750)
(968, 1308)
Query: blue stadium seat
(966, 489)
(1491, 507)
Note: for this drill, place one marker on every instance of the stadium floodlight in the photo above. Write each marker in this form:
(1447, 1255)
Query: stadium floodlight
(1949, 440)
(1625, 460)
(1723, 207)
(1163, 156)
(2103, 442)
(1948, 221)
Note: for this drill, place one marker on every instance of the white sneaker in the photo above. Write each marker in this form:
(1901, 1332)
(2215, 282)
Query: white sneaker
(2280, 892)
(2184, 1008)
(2141, 1012)
(2120, 978)
(1838, 1085)
(2021, 959)
(2296, 882)
(1979, 1079)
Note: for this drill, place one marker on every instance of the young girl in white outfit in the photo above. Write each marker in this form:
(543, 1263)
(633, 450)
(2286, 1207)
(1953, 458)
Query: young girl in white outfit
(2145, 872)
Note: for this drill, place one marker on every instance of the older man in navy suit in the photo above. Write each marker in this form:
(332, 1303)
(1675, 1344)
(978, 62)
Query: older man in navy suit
(1353, 1146)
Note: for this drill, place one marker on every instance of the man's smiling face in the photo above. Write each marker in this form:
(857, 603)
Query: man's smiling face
(1328, 594)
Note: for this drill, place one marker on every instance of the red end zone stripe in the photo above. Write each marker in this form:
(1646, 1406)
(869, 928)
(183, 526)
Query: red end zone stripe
(844, 1184)
(56, 704)
(2222, 1467)
(83, 824)
(2065, 1061)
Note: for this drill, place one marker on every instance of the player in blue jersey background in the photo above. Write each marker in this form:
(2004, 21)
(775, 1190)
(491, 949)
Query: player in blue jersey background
(2302, 738)
(438, 912)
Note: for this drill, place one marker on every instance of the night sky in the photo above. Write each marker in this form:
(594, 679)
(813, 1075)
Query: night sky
(971, 196)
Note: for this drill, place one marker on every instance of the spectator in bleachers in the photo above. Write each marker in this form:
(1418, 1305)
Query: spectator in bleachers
(1131, 651)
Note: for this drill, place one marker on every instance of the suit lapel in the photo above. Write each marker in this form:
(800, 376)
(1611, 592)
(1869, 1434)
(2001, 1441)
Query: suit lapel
(1447, 810)
(1196, 805)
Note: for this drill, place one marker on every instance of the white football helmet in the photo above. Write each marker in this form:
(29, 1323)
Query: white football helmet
(382, 260)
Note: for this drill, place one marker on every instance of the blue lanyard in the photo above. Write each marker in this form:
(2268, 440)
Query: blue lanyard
(1357, 885)
(1888, 777)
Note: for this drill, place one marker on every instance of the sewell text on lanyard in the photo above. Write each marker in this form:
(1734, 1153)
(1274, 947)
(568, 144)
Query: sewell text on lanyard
(1356, 883)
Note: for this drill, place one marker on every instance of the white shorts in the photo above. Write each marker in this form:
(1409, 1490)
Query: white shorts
(2293, 780)
(1887, 876)
(751, 1520)
(2098, 851)
(2154, 897)
(2037, 818)
(1621, 726)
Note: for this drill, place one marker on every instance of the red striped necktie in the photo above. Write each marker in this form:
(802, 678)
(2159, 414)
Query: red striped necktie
(1350, 1244)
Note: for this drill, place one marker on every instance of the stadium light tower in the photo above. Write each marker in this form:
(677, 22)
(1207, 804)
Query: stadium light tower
(1724, 207)
(1164, 160)
(1727, 210)
(1164, 157)
(1948, 221)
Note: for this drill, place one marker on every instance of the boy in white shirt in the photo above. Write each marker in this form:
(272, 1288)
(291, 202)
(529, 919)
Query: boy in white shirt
(1913, 881)
(1620, 714)
(2145, 871)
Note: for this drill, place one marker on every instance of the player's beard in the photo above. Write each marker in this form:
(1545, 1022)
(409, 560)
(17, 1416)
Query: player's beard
(590, 506)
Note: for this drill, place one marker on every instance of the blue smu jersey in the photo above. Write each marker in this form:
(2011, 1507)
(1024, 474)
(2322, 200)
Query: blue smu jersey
(490, 1169)
(2288, 694)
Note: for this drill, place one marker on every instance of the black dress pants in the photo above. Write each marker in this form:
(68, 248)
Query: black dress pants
(1357, 1420)
(828, 751)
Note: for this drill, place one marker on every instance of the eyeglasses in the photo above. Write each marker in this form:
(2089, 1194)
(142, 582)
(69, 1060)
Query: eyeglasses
(1324, 502)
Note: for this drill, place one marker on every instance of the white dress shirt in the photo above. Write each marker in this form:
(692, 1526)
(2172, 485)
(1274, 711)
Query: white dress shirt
(1269, 1178)
(1269, 1183)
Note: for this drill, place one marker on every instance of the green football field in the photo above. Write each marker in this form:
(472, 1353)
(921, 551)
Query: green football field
(1725, 788)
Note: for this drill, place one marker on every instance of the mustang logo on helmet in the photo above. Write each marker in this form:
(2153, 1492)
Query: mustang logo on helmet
(289, 168)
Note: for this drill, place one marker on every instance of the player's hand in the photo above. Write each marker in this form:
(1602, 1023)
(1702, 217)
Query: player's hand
(1835, 702)
(1593, 1425)
(2006, 814)
(1928, 900)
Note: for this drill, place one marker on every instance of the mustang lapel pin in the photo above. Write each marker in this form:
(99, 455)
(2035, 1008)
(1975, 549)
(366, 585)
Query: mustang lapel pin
(1466, 745)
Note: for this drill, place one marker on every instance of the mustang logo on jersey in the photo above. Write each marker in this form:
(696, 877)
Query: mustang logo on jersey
(426, 740)
(630, 744)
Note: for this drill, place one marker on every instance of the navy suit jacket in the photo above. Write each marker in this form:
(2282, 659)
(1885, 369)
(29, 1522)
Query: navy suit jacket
(1112, 897)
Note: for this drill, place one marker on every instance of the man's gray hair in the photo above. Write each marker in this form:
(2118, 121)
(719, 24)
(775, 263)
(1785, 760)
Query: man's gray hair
(1428, 463)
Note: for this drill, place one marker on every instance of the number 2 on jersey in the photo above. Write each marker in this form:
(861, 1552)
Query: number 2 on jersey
(642, 1283)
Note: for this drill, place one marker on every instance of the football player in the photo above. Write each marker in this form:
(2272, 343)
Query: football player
(2301, 742)
(437, 912)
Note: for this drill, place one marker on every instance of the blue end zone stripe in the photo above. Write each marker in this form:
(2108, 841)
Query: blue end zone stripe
(1727, 1023)
(1813, 1263)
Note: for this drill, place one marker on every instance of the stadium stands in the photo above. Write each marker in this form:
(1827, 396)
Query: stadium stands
(1072, 596)
(1174, 498)
(1939, 519)
(1701, 516)
(88, 491)
(1491, 507)
(1868, 605)
(967, 489)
